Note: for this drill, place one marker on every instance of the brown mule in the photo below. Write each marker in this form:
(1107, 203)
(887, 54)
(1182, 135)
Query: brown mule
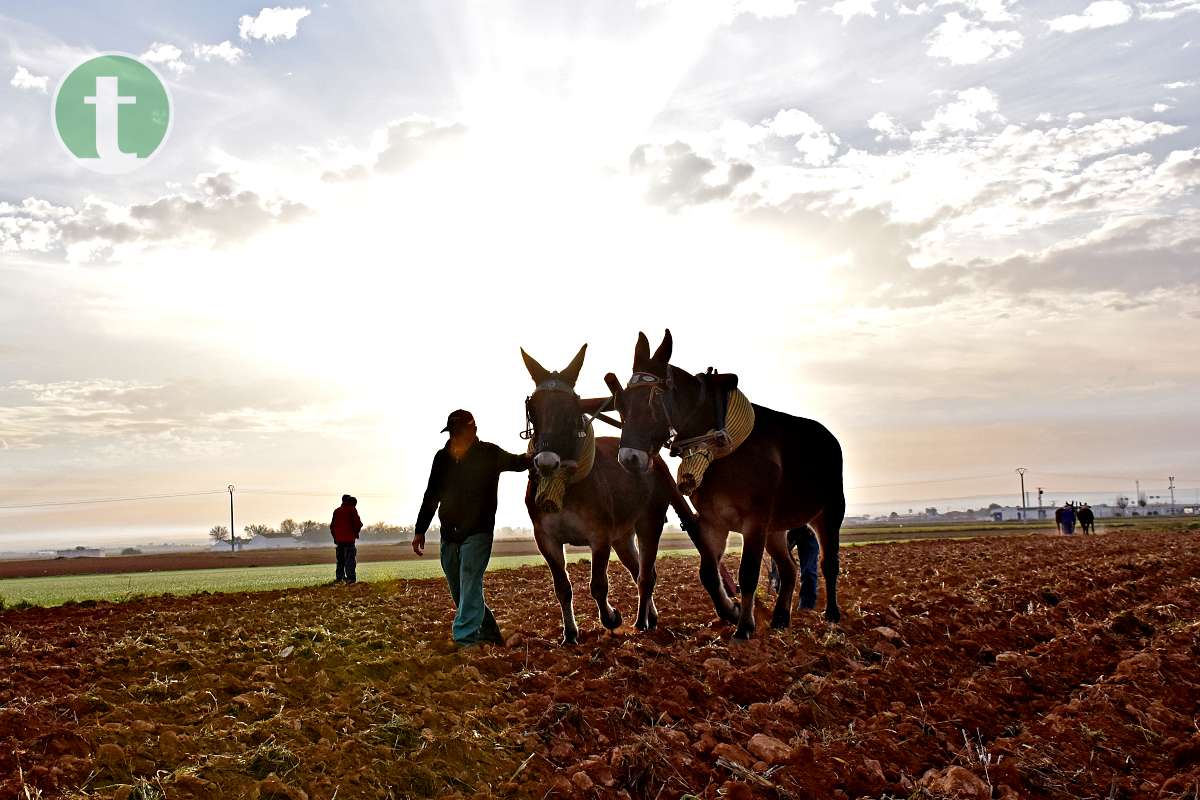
(609, 509)
(786, 474)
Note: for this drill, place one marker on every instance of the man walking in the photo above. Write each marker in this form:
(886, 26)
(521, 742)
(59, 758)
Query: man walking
(462, 489)
(804, 541)
(345, 526)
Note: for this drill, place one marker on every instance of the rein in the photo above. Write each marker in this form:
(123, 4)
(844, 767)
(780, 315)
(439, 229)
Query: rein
(552, 489)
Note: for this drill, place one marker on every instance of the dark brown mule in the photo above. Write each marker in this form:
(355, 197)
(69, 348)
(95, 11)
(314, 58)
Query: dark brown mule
(786, 474)
(605, 510)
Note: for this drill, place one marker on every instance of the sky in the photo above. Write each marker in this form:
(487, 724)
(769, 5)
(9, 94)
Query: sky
(963, 234)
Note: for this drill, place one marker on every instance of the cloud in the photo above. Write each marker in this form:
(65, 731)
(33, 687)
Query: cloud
(404, 143)
(1100, 14)
(679, 177)
(1168, 9)
(988, 10)
(168, 56)
(849, 9)
(272, 23)
(816, 145)
(969, 112)
(1160, 108)
(225, 51)
(1179, 85)
(961, 41)
(219, 212)
(729, 10)
(886, 126)
(24, 79)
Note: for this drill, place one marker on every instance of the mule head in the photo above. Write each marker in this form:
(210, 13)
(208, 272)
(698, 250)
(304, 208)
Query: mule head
(643, 405)
(554, 413)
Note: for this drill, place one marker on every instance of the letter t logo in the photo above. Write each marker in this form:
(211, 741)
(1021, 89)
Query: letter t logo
(106, 100)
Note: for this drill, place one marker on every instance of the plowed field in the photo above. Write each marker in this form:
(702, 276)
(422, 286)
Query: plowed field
(1038, 666)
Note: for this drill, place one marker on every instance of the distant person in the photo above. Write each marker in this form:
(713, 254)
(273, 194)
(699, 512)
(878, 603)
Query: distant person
(462, 489)
(1068, 519)
(345, 527)
(804, 541)
(1087, 519)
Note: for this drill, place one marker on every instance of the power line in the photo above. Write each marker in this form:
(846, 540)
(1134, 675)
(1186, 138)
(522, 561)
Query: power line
(57, 503)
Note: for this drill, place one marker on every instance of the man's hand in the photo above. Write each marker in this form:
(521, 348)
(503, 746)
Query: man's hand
(418, 544)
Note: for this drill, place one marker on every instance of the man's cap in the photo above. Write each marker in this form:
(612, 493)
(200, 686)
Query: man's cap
(456, 418)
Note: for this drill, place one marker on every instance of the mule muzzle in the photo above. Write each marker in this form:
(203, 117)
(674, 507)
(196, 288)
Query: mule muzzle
(546, 462)
(635, 461)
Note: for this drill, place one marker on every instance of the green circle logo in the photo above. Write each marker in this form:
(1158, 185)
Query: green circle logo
(112, 113)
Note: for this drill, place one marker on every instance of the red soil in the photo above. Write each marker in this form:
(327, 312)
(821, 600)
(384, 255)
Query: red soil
(1015, 667)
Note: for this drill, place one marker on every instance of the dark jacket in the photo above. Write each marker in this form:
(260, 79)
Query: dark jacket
(464, 492)
(346, 524)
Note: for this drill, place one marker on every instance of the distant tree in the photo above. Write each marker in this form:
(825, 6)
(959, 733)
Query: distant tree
(993, 507)
(265, 531)
(893, 515)
(313, 531)
(1142, 500)
(382, 530)
(131, 551)
(289, 528)
(1122, 503)
(218, 533)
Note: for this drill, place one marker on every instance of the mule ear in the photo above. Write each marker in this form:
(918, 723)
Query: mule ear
(641, 351)
(536, 371)
(571, 373)
(663, 354)
(614, 386)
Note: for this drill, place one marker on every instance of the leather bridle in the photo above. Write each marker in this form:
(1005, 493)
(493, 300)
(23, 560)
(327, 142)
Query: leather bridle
(662, 399)
(556, 385)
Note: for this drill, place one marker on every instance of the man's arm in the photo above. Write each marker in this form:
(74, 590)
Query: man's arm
(433, 495)
(358, 526)
(512, 462)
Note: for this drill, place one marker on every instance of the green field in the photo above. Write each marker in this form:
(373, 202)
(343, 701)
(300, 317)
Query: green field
(56, 590)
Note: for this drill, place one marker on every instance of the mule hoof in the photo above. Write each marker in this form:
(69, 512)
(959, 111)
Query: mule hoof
(615, 622)
(833, 615)
(570, 639)
(743, 634)
(781, 622)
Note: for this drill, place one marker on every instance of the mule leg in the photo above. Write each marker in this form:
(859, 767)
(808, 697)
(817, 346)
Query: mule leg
(753, 543)
(711, 544)
(781, 554)
(828, 526)
(649, 532)
(553, 553)
(609, 616)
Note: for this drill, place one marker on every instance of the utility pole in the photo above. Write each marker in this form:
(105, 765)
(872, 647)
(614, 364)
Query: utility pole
(1024, 497)
(1171, 486)
(1041, 514)
(232, 530)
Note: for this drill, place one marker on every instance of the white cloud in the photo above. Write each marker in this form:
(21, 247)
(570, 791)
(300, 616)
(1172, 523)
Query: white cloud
(969, 112)
(1168, 9)
(817, 146)
(849, 9)
(1076, 116)
(1100, 14)
(225, 51)
(988, 10)
(24, 79)
(960, 41)
(272, 23)
(1179, 85)
(167, 55)
(886, 126)
(1159, 108)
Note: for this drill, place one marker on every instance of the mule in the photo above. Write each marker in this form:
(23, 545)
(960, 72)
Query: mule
(608, 509)
(787, 473)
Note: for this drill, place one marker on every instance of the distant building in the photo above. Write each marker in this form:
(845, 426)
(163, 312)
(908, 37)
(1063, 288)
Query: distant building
(80, 552)
(1101, 510)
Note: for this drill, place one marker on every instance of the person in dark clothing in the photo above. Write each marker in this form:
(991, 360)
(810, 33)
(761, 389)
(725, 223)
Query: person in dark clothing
(345, 526)
(462, 489)
(804, 541)
(1068, 519)
(1087, 519)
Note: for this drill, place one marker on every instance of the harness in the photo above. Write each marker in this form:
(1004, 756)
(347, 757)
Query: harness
(732, 415)
(552, 489)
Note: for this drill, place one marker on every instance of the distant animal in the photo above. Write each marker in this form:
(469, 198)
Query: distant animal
(787, 473)
(579, 495)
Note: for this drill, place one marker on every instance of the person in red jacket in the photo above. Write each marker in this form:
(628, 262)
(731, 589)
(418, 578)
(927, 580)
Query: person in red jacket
(345, 527)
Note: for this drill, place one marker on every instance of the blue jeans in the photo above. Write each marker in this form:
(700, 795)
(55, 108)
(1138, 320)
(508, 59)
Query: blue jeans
(805, 542)
(347, 561)
(464, 565)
